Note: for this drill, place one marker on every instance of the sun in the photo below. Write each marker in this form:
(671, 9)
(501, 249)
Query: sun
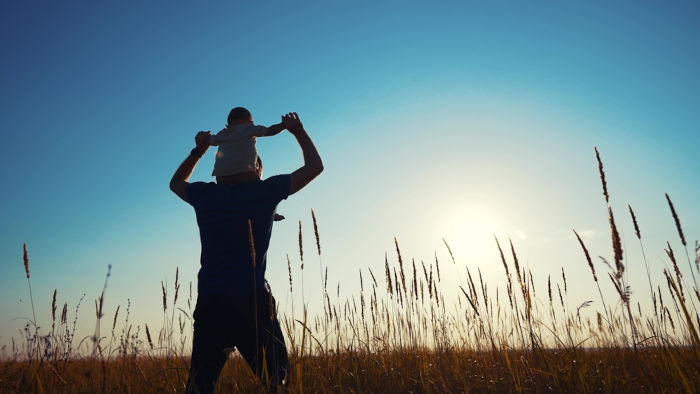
(470, 231)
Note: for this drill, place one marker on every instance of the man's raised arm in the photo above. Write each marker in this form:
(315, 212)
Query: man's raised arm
(178, 182)
(312, 161)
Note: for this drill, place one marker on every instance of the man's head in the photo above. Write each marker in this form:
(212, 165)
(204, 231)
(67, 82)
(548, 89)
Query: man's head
(238, 115)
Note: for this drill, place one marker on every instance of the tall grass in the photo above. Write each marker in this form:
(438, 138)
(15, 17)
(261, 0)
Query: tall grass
(407, 335)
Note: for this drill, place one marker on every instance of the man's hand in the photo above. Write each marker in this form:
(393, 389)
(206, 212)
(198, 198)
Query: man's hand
(178, 183)
(202, 140)
(292, 123)
(312, 161)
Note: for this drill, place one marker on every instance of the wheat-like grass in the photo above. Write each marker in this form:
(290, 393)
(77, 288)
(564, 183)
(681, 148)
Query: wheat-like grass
(602, 175)
(301, 247)
(616, 244)
(289, 271)
(634, 221)
(682, 237)
(676, 219)
(318, 239)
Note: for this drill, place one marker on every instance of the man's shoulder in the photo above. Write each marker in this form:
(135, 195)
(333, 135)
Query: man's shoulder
(194, 190)
(278, 186)
(277, 178)
(200, 184)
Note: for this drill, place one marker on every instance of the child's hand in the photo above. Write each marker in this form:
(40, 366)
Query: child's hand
(277, 217)
(284, 127)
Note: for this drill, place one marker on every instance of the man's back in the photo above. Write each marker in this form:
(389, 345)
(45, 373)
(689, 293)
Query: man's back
(223, 211)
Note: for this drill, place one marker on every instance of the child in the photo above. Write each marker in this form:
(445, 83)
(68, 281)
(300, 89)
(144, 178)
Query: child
(237, 152)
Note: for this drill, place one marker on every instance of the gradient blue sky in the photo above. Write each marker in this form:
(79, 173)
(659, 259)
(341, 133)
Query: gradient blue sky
(447, 119)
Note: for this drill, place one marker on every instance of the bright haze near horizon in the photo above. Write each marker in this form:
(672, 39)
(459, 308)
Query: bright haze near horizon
(454, 120)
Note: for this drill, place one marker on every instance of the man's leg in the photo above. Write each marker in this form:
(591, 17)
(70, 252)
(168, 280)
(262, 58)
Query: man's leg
(262, 344)
(208, 344)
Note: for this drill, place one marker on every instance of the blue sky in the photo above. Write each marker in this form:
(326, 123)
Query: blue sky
(453, 119)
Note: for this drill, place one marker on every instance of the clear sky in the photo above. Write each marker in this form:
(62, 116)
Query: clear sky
(443, 119)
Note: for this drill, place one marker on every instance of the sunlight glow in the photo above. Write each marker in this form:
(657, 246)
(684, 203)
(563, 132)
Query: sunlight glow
(470, 230)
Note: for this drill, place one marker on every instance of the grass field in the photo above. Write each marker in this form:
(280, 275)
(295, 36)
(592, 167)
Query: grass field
(398, 334)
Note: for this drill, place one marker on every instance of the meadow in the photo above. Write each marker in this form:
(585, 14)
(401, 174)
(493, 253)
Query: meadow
(401, 333)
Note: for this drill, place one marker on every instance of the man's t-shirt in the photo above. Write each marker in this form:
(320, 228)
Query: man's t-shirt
(223, 211)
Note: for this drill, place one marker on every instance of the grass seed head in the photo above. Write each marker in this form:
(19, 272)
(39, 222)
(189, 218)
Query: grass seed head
(389, 287)
(588, 256)
(251, 241)
(617, 244)
(675, 218)
(148, 335)
(289, 270)
(25, 257)
(53, 307)
(634, 221)
(116, 314)
(301, 247)
(602, 175)
(318, 240)
(165, 299)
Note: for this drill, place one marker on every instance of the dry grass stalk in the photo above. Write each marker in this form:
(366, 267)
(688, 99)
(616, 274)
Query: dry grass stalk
(398, 254)
(318, 239)
(165, 298)
(116, 314)
(177, 284)
(680, 234)
(415, 279)
(64, 313)
(691, 327)
(503, 260)
(470, 301)
(602, 175)
(624, 296)
(371, 274)
(672, 257)
(53, 306)
(634, 221)
(590, 265)
(148, 335)
(617, 244)
(676, 219)
(251, 241)
(25, 257)
(449, 250)
(588, 256)
(389, 287)
(437, 267)
(301, 247)
(289, 270)
(516, 263)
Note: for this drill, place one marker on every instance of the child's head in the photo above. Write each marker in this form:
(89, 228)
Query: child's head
(238, 115)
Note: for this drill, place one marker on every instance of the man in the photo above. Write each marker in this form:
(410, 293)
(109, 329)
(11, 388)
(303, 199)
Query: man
(234, 307)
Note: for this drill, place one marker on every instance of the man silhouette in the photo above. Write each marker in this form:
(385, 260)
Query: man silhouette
(234, 306)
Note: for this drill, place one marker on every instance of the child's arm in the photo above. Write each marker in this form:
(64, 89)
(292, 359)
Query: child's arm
(215, 139)
(275, 129)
